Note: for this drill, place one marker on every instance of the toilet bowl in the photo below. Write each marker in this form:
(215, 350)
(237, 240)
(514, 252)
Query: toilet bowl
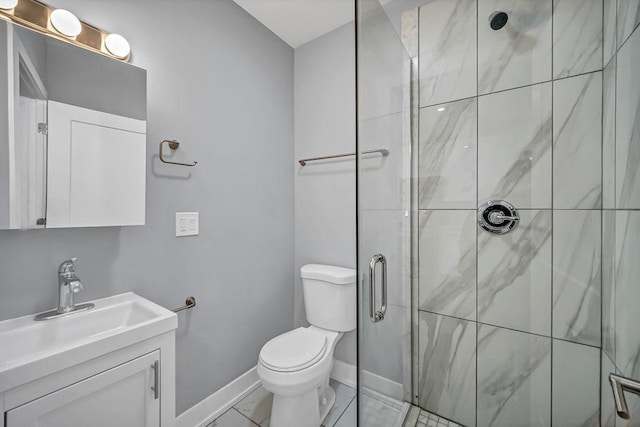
(295, 366)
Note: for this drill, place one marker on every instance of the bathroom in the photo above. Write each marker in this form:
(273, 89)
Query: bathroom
(447, 113)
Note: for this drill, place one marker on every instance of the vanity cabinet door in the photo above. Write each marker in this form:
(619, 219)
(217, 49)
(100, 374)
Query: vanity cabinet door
(122, 396)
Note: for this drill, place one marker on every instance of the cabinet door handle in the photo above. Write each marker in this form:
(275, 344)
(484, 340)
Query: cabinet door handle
(156, 379)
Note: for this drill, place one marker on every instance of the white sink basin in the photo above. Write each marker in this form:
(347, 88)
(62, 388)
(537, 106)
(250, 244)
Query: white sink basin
(30, 349)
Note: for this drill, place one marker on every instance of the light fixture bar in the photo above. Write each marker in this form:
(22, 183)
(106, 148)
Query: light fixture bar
(37, 16)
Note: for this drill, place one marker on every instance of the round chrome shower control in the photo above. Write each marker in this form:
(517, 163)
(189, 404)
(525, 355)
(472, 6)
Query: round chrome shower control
(498, 216)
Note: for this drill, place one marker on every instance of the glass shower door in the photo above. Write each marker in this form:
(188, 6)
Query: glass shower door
(384, 220)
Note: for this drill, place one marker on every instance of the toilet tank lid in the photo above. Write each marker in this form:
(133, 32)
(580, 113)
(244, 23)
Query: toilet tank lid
(328, 273)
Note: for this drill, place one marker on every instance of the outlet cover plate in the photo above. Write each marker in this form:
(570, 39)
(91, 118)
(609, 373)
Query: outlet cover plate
(187, 224)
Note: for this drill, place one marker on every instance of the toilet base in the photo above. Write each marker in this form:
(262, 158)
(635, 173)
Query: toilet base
(307, 410)
(329, 399)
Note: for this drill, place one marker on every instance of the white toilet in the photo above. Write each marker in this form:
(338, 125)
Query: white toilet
(295, 366)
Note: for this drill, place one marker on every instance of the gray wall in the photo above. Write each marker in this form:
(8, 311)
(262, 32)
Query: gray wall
(222, 84)
(325, 193)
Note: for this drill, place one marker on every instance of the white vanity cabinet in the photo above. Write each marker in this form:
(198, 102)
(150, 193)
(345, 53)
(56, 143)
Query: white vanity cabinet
(122, 396)
(122, 376)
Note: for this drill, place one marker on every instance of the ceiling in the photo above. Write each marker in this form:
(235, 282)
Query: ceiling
(299, 21)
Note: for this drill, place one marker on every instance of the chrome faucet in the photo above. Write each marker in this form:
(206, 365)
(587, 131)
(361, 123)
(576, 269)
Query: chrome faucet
(69, 284)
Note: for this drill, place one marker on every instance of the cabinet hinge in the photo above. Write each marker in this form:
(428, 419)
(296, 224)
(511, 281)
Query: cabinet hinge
(43, 129)
(41, 221)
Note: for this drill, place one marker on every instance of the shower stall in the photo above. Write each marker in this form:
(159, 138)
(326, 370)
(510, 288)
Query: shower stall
(499, 240)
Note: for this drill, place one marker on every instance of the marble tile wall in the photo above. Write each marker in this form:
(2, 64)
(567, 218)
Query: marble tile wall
(514, 146)
(577, 276)
(447, 247)
(577, 37)
(628, 123)
(575, 385)
(514, 371)
(448, 54)
(609, 135)
(448, 368)
(549, 120)
(514, 275)
(521, 53)
(448, 155)
(577, 142)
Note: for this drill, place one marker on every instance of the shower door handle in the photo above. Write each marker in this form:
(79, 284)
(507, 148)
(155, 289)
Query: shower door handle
(374, 314)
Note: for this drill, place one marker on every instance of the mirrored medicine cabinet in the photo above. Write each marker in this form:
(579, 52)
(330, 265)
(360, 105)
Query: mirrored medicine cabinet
(72, 135)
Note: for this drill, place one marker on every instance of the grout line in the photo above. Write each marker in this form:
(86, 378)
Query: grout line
(477, 179)
(509, 329)
(602, 190)
(635, 27)
(341, 413)
(345, 410)
(513, 88)
(243, 415)
(533, 209)
(613, 229)
(553, 148)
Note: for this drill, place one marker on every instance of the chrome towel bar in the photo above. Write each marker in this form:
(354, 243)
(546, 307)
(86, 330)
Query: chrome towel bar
(383, 151)
(189, 303)
(619, 385)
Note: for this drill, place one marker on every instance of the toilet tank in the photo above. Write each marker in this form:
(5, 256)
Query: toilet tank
(329, 296)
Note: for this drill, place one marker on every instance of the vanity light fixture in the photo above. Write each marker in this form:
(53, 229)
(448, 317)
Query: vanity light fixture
(66, 22)
(118, 46)
(64, 25)
(8, 4)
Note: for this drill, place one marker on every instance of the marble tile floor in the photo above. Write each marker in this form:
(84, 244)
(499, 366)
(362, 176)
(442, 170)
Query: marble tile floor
(420, 418)
(255, 409)
(382, 411)
(427, 419)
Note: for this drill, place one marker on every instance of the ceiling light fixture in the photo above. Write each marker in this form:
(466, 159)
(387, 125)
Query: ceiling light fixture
(118, 46)
(66, 22)
(8, 4)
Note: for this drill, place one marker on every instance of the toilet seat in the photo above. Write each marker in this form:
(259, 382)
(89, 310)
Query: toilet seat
(294, 351)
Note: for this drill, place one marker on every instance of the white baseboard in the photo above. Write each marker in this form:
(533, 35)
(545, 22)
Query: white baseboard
(222, 400)
(383, 385)
(219, 402)
(345, 373)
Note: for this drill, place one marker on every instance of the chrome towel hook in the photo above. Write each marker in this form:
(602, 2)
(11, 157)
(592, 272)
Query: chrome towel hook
(173, 144)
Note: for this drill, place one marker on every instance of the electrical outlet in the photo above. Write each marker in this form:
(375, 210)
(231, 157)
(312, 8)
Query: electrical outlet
(187, 224)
